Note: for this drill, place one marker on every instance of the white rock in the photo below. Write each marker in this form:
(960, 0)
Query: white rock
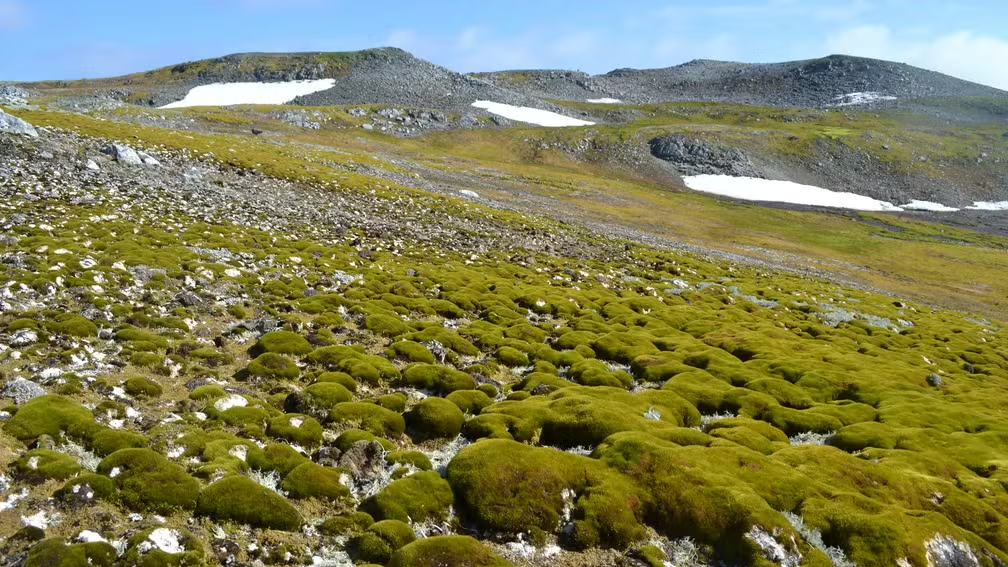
(166, 540)
(88, 536)
(232, 401)
(38, 520)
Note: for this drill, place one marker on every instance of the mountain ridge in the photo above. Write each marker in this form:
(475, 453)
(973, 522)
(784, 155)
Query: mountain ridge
(393, 75)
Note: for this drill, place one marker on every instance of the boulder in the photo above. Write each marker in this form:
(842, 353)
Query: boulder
(14, 125)
(123, 154)
(697, 157)
(21, 390)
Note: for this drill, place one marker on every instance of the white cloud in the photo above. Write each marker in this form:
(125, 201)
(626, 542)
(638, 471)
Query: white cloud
(962, 54)
(13, 15)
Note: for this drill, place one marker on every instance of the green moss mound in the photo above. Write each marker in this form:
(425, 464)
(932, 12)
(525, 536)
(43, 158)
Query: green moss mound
(351, 436)
(273, 366)
(279, 457)
(411, 351)
(296, 428)
(40, 464)
(141, 387)
(50, 415)
(281, 342)
(446, 551)
(72, 325)
(369, 417)
(441, 380)
(353, 523)
(470, 401)
(310, 480)
(434, 418)
(341, 378)
(416, 498)
(55, 552)
(413, 458)
(382, 539)
(318, 399)
(241, 500)
(509, 356)
(147, 481)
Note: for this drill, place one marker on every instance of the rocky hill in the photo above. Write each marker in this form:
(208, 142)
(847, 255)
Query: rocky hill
(809, 83)
(373, 76)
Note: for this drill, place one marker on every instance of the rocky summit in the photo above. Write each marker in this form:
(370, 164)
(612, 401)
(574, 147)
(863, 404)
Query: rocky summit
(378, 325)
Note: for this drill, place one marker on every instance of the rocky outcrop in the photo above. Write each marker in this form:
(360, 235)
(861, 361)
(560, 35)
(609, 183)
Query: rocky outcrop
(14, 125)
(697, 157)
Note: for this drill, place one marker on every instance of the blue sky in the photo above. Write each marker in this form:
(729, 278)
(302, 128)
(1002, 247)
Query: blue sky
(66, 39)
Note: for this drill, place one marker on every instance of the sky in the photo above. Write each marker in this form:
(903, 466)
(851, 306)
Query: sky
(70, 39)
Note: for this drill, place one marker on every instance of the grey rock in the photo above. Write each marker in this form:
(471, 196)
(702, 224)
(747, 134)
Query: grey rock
(148, 159)
(92, 165)
(14, 125)
(188, 299)
(123, 154)
(13, 95)
(697, 157)
(23, 338)
(21, 390)
(468, 121)
(358, 112)
(934, 380)
(364, 459)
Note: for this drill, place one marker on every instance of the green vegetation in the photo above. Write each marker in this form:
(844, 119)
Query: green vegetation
(310, 480)
(434, 418)
(55, 552)
(281, 342)
(382, 539)
(147, 481)
(446, 551)
(416, 498)
(241, 500)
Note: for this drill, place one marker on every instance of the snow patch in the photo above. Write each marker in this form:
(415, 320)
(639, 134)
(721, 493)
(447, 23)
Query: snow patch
(752, 189)
(604, 100)
(989, 206)
(916, 205)
(530, 115)
(853, 99)
(223, 94)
